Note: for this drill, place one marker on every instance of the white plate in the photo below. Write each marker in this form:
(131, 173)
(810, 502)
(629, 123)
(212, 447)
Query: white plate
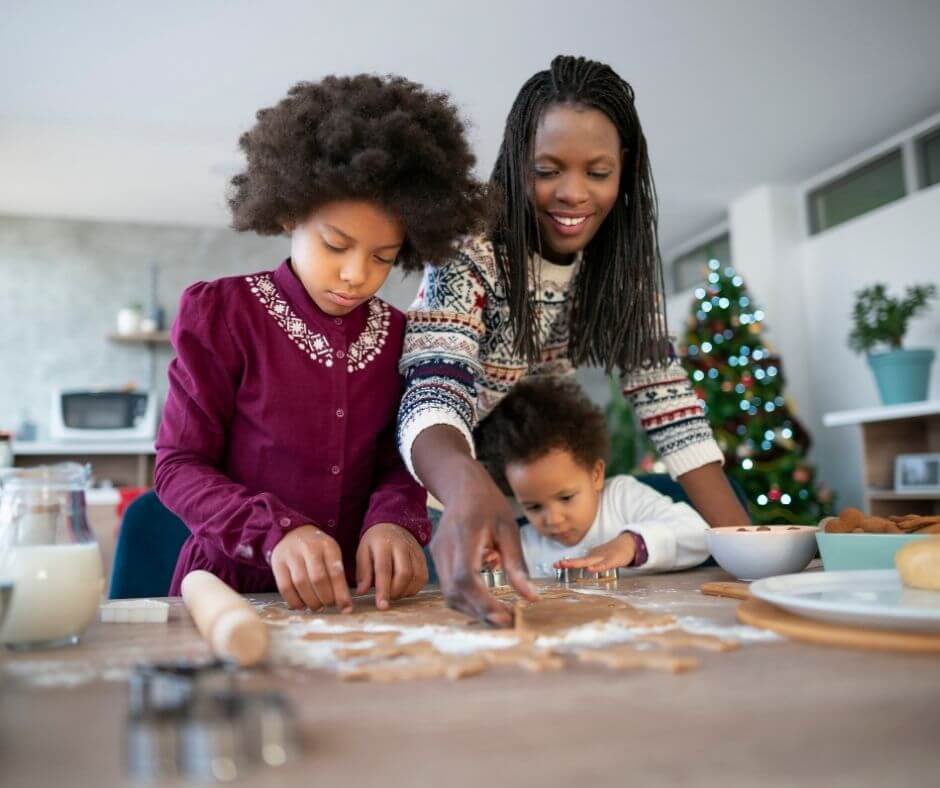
(869, 598)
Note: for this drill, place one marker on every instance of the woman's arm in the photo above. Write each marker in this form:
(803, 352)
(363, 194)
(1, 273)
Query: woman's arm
(674, 419)
(476, 519)
(440, 362)
(711, 495)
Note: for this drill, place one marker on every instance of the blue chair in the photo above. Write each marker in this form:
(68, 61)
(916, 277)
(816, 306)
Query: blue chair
(663, 483)
(148, 545)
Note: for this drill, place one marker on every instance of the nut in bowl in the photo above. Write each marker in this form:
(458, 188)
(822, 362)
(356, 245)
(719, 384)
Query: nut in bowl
(755, 551)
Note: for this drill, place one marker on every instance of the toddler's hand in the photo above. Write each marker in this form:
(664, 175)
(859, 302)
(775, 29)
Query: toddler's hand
(390, 558)
(619, 551)
(308, 570)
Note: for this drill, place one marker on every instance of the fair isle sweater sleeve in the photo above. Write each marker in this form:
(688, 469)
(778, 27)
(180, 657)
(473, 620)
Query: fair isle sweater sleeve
(672, 416)
(440, 358)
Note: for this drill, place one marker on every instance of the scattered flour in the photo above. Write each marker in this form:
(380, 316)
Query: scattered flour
(290, 649)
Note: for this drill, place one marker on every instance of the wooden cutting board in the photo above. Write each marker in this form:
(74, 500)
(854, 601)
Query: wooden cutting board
(730, 589)
(762, 614)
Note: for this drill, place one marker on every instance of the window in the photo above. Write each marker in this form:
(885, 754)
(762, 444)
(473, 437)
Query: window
(870, 186)
(930, 158)
(690, 269)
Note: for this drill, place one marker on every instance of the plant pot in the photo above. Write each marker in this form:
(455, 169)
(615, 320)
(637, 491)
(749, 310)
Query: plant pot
(902, 375)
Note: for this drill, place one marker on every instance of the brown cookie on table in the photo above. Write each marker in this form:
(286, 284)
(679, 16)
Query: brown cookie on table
(907, 523)
(836, 525)
(878, 525)
(918, 523)
(852, 517)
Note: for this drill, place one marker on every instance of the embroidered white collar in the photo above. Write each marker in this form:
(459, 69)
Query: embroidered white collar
(367, 346)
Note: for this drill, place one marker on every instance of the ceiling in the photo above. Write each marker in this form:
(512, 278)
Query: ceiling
(128, 111)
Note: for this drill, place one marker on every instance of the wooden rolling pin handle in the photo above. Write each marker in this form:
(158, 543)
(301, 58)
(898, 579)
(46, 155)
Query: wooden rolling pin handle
(225, 620)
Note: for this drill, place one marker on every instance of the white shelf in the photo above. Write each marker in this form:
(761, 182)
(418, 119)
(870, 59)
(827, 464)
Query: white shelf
(83, 448)
(103, 496)
(891, 495)
(883, 413)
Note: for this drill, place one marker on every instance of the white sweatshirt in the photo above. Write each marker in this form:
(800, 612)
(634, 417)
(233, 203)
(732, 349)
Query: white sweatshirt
(674, 532)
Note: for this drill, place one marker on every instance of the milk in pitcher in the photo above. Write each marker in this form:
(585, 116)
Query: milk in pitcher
(56, 592)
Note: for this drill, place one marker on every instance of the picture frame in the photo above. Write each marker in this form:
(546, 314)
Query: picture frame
(917, 473)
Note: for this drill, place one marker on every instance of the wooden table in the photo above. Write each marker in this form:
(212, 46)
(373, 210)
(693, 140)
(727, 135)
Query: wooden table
(776, 714)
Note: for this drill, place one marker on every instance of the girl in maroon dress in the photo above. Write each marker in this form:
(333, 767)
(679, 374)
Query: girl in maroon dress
(277, 445)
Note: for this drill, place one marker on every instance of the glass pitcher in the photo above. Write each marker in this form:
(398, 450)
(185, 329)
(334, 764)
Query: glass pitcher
(48, 554)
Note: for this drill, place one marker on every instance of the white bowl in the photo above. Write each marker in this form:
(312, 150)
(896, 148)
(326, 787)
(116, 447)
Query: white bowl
(753, 552)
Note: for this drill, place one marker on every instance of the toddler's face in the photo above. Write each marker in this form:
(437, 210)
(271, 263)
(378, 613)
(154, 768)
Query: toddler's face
(344, 252)
(558, 494)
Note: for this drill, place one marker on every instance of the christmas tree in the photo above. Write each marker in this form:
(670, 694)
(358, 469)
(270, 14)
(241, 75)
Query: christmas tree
(741, 383)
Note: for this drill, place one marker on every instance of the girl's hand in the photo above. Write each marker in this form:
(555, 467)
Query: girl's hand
(619, 551)
(391, 558)
(308, 570)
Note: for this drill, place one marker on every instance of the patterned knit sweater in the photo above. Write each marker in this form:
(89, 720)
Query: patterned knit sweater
(458, 361)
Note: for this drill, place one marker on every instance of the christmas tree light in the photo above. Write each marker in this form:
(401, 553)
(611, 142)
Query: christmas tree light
(741, 383)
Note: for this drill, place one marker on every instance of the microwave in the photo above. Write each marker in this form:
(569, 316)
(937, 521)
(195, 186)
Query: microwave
(103, 414)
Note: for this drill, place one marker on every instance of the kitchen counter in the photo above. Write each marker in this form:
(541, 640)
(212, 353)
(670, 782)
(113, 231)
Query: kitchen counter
(72, 448)
(771, 714)
(123, 462)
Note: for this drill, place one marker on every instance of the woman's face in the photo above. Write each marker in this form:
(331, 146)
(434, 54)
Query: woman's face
(576, 164)
(344, 252)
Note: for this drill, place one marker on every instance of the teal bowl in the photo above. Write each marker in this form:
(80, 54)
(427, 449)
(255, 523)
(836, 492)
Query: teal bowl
(860, 551)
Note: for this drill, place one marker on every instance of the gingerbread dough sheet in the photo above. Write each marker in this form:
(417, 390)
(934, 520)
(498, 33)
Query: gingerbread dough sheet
(403, 643)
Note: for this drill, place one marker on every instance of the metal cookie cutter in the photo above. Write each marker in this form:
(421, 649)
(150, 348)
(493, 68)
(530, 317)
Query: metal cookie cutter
(494, 578)
(229, 735)
(190, 720)
(584, 575)
(174, 686)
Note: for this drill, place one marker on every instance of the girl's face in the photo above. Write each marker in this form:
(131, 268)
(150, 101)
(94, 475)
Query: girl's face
(344, 252)
(558, 494)
(576, 164)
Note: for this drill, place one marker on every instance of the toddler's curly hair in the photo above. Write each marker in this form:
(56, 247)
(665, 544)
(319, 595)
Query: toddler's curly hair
(541, 413)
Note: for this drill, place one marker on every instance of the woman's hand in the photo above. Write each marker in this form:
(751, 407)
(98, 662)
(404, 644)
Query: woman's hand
(476, 519)
(390, 558)
(308, 570)
(478, 523)
(619, 551)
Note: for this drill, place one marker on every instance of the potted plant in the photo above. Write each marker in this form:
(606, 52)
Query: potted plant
(879, 323)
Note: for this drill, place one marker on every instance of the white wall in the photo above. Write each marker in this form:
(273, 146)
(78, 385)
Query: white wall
(898, 244)
(806, 287)
(98, 173)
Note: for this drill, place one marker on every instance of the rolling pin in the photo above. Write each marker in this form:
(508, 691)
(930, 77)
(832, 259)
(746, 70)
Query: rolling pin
(225, 620)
